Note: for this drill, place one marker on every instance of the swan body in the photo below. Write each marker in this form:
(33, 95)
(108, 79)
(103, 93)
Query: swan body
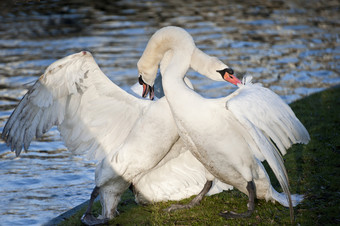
(230, 136)
(178, 163)
(117, 170)
(128, 136)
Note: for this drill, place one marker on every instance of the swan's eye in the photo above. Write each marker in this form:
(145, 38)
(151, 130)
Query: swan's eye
(230, 76)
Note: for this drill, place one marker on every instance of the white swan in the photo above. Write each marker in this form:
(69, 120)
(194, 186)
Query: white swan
(230, 136)
(96, 117)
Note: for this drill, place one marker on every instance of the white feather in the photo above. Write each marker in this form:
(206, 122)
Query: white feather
(75, 95)
(228, 135)
(94, 117)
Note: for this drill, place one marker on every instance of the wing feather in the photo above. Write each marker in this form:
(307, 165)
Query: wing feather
(269, 113)
(93, 115)
(272, 125)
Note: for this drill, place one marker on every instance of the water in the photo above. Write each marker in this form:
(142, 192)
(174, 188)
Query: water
(293, 48)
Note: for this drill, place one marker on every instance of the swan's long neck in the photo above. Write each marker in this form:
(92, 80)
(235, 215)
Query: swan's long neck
(176, 51)
(207, 65)
(169, 39)
(174, 48)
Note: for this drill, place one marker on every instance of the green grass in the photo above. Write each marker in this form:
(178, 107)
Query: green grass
(313, 169)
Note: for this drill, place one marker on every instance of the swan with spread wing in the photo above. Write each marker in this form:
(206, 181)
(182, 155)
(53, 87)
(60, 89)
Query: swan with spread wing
(231, 135)
(134, 140)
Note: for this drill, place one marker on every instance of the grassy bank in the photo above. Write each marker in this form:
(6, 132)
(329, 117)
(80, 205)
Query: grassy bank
(314, 171)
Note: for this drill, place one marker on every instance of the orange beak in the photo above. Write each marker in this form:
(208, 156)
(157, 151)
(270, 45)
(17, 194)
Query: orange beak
(228, 75)
(146, 89)
(231, 78)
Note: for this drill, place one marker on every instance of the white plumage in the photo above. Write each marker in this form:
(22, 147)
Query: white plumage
(230, 136)
(92, 113)
(96, 117)
(134, 139)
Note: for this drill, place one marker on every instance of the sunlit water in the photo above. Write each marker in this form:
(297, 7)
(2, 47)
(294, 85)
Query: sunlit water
(293, 48)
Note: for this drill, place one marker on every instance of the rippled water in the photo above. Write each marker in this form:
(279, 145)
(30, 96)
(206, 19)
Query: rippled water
(293, 48)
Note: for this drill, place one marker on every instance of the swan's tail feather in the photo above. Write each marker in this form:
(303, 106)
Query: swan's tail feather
(282, 199)
(275, 162)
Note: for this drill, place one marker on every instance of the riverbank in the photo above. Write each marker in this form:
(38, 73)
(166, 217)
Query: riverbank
(313, 170)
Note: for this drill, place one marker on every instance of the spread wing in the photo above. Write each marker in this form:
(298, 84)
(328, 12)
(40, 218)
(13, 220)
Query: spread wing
(261, 109)
(271, 123)
(93, 115)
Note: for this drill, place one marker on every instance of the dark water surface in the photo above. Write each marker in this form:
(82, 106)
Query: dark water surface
(293, 47)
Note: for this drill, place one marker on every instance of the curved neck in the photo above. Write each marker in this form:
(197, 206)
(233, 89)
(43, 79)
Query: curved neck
(178, 94)
(176, 51)
(173, 39)
(207, 65)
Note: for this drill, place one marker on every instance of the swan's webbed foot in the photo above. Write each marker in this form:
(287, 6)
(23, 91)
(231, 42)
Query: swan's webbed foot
(89, 219)
(251, 205)
(193, 202)
(233, 215)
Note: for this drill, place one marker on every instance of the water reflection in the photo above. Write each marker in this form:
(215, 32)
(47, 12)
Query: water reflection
(291, 48)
